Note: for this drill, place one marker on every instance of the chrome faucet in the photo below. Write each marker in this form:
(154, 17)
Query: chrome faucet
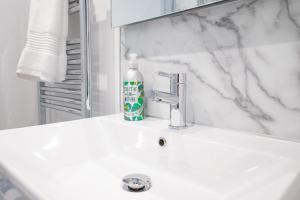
(176, 98)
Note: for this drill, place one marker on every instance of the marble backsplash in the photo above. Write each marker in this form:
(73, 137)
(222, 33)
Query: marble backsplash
(242, 61)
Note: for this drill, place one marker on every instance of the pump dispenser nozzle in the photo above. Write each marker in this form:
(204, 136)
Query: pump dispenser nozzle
(133, 64)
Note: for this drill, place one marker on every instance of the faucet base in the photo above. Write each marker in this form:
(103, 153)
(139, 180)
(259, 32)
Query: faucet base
(177, 127)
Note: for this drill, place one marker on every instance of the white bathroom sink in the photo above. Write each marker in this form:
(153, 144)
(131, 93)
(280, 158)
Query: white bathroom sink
(87, 159)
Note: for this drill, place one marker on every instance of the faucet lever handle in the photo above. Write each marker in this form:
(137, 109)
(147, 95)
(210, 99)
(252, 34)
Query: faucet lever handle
(174, 77)
(164, 74)
(171, 76)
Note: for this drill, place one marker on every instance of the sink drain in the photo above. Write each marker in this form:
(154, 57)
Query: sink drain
(136, 183)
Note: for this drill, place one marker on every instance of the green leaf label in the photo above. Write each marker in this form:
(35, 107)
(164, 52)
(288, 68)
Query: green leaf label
(133, 100)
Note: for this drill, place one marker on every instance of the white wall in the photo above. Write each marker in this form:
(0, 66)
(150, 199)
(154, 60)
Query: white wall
(18, 100)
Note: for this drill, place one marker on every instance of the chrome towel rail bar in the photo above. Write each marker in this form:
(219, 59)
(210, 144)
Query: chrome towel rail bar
(70, 95)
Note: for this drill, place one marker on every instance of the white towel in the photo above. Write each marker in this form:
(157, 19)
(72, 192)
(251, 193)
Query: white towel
(44, 56)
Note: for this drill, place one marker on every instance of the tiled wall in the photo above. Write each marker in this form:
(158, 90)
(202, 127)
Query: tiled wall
(242, 60)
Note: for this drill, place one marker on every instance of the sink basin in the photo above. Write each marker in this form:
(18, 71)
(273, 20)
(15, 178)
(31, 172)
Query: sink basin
(87, 159)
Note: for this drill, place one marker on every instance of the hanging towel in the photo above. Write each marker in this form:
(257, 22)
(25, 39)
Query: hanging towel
(44, 55)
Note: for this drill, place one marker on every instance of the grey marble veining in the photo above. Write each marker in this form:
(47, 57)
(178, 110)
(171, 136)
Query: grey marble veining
(242, 60)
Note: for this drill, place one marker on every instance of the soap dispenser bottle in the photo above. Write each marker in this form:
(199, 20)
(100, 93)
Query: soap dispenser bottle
(133, 91)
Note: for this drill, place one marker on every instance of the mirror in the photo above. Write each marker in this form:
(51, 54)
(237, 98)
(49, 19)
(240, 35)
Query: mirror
(131, 11)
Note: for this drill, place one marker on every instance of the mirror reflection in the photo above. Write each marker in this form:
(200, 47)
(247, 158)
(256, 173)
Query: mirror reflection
(132, 11)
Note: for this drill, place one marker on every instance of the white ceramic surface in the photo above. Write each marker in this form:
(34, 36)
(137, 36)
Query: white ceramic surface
(87, 159)
(241, 58)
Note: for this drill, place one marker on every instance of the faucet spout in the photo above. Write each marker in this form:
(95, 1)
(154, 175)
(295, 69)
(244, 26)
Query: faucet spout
(164, 97)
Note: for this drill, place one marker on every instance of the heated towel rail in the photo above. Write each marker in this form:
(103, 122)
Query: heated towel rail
(72, 95)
